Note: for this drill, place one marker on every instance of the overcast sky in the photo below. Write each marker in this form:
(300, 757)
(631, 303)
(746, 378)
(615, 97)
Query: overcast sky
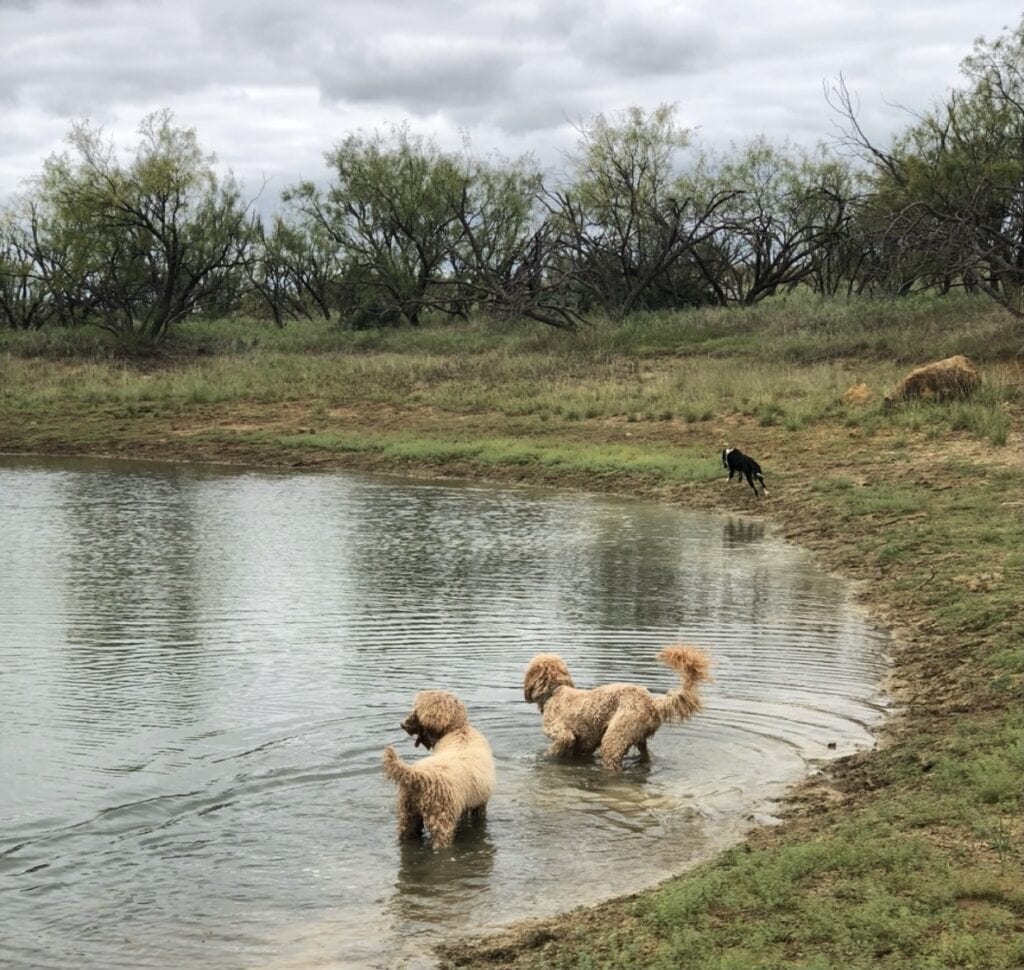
(271, 84)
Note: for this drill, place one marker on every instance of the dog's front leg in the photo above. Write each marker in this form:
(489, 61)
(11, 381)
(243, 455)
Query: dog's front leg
(563, 741)
(442, 828)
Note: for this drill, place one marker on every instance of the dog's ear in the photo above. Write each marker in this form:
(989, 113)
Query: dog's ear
(439, 712)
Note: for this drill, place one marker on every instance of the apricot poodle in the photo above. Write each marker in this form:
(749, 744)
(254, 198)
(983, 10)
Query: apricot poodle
(456, 779)
(615, 717)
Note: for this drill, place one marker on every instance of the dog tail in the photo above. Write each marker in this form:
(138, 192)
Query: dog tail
(398, 771)
(694, 667)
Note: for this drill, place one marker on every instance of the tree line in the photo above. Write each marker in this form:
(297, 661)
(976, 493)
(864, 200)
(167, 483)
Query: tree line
(642, 218)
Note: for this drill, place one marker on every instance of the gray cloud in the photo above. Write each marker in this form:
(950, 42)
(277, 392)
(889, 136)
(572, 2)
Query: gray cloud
(422, 78)
(270, 85)
(639, 42)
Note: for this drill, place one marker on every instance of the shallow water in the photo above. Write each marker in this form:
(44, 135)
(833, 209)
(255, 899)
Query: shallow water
(200, 668)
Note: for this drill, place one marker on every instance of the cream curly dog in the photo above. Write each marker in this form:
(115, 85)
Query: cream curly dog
(456, 779)
(615, 717)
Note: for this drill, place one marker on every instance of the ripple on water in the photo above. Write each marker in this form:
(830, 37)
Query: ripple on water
(203, 667)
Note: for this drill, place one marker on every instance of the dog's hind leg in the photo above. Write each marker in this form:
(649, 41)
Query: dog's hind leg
(613, 752)
(750, 482)
(618, 739)
(410, 821)
(645, 754)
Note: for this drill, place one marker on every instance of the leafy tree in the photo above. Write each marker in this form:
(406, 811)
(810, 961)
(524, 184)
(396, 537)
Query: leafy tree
(628, 222)
(298, 270)
(419, 229)
(26, 299)
(782, 223)
(388, 211)
(947, 197)
(506, 260)
(151, 241)
(36, 287)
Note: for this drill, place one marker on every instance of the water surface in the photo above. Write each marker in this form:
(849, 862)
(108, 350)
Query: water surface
(200, 668)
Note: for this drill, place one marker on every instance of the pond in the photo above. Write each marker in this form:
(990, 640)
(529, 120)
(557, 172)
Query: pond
(201, 667)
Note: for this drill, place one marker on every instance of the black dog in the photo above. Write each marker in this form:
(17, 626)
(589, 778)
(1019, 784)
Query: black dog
(737, 463)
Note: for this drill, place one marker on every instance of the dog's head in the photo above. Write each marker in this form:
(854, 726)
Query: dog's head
(725, 456)
(434, 714)
(544, 675)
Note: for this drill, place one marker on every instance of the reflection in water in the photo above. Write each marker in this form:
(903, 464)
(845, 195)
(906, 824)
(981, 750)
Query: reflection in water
(201, 669)
(429, 882)
(132, 582)
(737, 533)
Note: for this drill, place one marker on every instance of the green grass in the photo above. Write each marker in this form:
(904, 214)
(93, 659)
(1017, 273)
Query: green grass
(679, 465)
(795, 328)
(541, 386)
(867, 894)
(984, 415)
(882, 500)
(785, 364)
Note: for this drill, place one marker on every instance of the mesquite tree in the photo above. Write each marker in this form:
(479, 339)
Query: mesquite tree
(946, 198)
(388, 213)
(628, 221)
(783, 222)
(152, 240)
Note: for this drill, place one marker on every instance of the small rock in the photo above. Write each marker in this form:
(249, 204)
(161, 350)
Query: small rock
(858, 394)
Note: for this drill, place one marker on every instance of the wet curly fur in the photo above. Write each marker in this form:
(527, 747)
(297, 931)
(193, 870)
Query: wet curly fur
(615, 717)
(457, 778)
